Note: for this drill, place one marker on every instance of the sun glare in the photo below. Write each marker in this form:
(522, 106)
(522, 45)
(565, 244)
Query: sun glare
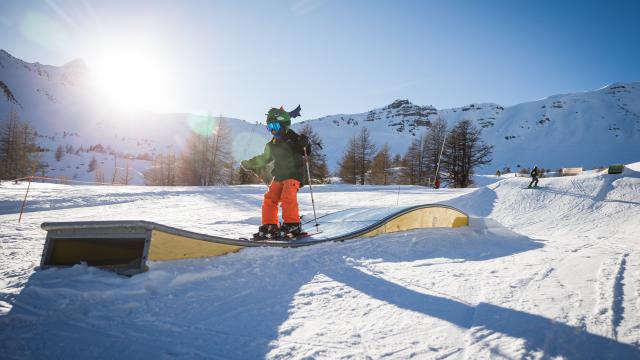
(131, 77)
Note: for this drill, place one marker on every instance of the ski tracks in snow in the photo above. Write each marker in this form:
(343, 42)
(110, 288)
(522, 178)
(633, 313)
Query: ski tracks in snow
(620, 275)
(608, 311)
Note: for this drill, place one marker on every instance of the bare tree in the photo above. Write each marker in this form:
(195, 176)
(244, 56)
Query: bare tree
(99, 175)
(348, 167)
(317, 159)
(59, 154)
(171, 168)
(357, 157)
(163, 170)
(93, 164)
(208, 159)
(18, 150)
(380, 166)
(414, 160)
(397, 160)
(434, 141)
(464, 151)
(126, 176)
(219, 159)
(366, 151)
(156, 174)
(422, 156)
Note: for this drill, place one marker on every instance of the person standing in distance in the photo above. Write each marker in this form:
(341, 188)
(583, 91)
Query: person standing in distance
(534, 177)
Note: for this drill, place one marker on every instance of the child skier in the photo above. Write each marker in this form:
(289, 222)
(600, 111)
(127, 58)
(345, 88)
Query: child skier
(286, 150)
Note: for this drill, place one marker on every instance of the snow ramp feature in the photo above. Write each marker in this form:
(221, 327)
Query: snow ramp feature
(125, 246)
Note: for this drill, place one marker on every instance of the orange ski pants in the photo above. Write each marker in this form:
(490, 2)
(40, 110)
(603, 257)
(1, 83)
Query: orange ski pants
(285, 192)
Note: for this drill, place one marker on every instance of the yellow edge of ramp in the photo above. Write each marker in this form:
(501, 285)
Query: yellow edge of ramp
(430, 217)
(165, 246)
(108, 244)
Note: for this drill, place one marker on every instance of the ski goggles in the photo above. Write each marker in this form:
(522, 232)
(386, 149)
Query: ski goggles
(274, 126)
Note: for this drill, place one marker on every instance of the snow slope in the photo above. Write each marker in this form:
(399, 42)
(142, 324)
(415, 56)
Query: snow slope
(543, 273)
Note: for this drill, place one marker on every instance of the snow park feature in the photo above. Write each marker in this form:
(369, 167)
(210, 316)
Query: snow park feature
(615, 169)
(572, 171)
(551, 273)
(125, 246)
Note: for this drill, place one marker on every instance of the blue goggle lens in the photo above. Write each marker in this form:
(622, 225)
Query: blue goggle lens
(274, 126)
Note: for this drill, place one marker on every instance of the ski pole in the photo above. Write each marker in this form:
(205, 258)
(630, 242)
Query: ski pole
(313, 203)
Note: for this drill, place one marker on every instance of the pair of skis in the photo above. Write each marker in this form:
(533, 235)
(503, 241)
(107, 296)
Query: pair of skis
(283, 239)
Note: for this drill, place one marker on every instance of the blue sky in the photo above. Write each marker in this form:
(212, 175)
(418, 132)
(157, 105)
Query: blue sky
(238, 58)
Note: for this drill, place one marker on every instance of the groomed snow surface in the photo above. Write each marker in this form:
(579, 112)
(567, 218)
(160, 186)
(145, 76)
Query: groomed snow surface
(546, 273)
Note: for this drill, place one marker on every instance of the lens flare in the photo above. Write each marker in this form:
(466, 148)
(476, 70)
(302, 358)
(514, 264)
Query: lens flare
(203, 125)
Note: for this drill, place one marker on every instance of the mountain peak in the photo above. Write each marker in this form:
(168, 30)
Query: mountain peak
(398, 104)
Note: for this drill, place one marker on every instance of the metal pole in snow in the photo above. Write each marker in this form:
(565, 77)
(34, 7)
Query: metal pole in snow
(25, 199)
(440, 157)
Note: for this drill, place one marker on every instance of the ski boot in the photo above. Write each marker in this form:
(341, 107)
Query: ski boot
(266, 232)
(290, 231)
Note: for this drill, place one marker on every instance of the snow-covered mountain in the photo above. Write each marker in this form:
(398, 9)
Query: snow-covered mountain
(585, 129)
(65, 109)
(395, 124)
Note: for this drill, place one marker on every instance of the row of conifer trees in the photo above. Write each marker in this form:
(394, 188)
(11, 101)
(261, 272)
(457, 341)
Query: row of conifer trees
(452, 154)
(18, 149)
(207, 159)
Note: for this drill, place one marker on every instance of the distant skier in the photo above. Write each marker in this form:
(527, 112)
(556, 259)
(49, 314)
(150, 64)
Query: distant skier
(437, 183)
(285, 150)
(534, 177)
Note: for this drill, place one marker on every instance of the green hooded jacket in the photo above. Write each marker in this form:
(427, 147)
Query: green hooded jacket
(284, 152)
